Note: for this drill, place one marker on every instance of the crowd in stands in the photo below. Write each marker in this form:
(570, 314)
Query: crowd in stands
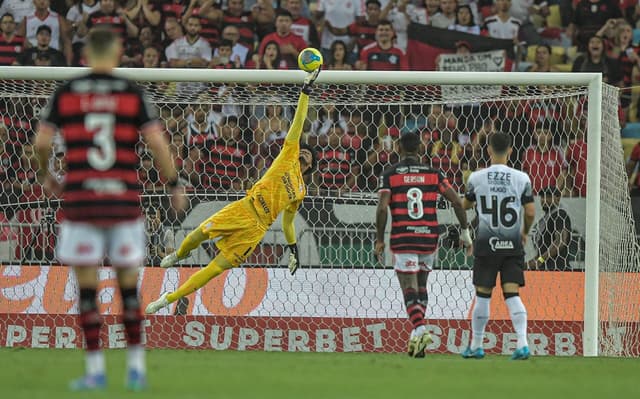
(228, 149)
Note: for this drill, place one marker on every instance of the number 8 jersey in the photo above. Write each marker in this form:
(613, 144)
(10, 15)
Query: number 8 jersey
(414, 191)
(99, 117)
(499, 193)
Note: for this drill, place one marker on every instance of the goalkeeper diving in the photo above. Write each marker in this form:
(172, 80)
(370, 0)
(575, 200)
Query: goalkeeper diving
(241, 225)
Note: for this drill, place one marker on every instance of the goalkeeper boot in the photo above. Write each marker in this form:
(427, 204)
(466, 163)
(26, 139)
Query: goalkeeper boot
(477, 353)
(169, 260)
(158, 304)
(136, 381)
(89, 383)
(521, 354)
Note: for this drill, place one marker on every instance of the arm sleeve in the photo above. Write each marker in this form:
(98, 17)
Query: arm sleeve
(147, 111)
(527, 193)
(384, 183)
(288, 227)
(295, 131)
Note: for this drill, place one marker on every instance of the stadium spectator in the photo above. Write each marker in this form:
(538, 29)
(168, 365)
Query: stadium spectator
(332, 15)
(595, 60)
(447, 15)
(337, 164)
(552, 234)
(223, 58)
(328, 116)
(423, 12)
(150, 13)
(446, 156)
(383, 55)
(42, 51)
(532, 15)
(108, 14)
(465, 21)
(238, 51)
(542, 62)
(168, 10)
(264, 15)
(270, 59)
(627, 56)
(502, 25)
(588, 17)
(9, 165)
(382, 155)
(191, 50)
(289, 43)
(11, 44)
(338, 57)
(396, 13)
(226, 161)
(200, 129)
(363, 32)
(191, 168)
(543, 162)
(302, 26)
(20, 9)
(161, 238)
(77, 14)
(576, 156)
(415, 119)
(172, 32)
(244, 21)
(59, 29)
(209, 15)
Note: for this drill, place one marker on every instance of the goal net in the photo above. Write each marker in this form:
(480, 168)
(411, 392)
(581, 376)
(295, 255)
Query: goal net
(224, 136)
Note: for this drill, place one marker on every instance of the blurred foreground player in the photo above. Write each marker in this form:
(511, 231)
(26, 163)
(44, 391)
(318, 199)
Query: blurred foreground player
(101, 118)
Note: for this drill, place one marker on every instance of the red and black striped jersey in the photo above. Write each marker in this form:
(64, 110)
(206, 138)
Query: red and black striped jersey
(364, 33)
(116, 22)
(414, 189)
(9, 49)
(378, 59)
(209, 29)
(223, 163)
(99, 117)
(334, 166)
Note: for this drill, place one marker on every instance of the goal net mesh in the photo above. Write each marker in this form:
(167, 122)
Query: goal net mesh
(224, 137)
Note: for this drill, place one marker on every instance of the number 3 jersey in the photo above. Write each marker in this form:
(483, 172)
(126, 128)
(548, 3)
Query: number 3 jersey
(499, 193)
(99, 117)
(414, 189)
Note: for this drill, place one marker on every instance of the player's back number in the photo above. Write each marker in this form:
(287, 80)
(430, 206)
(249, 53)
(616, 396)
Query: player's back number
(500, 211)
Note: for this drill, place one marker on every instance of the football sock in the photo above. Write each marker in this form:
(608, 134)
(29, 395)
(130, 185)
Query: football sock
(132, 320)
(190, 242)
(423, 299)
(414, 309)
(479, 320)
(196, 281)
(90, 321)
(518, 318)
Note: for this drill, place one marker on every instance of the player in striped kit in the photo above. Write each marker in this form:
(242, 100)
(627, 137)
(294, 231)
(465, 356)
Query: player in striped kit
(499, 194)
(410, 189)
(101, 119)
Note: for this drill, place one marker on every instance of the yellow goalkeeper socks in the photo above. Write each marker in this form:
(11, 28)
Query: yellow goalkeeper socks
(196, 281)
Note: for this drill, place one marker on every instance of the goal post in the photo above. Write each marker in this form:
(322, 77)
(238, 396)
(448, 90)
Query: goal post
(426, 88)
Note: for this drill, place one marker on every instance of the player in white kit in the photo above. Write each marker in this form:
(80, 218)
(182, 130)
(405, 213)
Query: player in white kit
(499, 194)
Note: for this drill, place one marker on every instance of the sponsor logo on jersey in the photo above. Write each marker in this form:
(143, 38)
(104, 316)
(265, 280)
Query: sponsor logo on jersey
(286, 180)
(263, 204)
(498, 244)
(419, 229)
(499, 178)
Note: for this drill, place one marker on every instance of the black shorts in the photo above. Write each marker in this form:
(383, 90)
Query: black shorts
(486, 269)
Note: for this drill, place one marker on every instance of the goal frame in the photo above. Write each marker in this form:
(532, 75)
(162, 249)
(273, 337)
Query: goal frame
(593, 81)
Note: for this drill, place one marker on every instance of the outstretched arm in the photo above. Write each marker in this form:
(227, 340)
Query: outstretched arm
(295, 131)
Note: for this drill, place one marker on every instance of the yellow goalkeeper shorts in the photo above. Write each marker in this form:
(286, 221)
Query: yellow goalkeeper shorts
(238, 230)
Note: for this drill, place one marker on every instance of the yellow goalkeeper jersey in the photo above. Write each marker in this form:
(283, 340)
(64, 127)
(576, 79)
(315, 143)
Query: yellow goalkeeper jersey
(282, 187)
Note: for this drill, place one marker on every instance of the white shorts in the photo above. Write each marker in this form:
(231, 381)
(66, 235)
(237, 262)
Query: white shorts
(84, 244)
(413, 263)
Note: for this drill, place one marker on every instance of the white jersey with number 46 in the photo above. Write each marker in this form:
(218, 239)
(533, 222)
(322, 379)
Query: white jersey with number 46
(499, 193)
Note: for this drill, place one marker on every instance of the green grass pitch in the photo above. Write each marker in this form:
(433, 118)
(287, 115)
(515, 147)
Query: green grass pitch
(177, 374)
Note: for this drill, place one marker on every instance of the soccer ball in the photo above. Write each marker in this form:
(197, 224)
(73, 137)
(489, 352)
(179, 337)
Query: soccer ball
(309, 59)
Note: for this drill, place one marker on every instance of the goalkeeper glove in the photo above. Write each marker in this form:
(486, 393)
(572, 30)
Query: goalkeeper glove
(294, 260)
(308, 81)
(465, 237)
